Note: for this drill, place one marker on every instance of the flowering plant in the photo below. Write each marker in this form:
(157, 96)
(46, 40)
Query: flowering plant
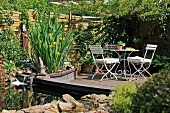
(51, 43)
(121, 43)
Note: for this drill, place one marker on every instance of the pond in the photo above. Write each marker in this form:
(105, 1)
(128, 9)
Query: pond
(18, 97)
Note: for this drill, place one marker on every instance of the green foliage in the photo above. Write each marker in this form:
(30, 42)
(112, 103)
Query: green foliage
(51, 43)
(84, 38)
(121, 43)
(13, 100)
(9, 66)
(84, 8)
(41, 6)
(5, 17)
(11, 47)
(121, 96)
(16, 99)
(142, 8)
(119, 8)
(153, 96)
(161, 61)
(87, 60)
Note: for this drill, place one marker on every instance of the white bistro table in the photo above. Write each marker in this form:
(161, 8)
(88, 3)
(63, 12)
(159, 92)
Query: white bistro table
(123, 54)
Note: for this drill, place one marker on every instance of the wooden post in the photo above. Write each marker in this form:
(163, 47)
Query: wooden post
(2, 82)
(2, 72)
(25, 41)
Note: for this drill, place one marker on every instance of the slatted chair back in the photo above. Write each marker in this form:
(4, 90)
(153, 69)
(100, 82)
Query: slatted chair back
(96, 49)
(150, 48)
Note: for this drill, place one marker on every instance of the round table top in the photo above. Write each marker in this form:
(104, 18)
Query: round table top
(123, 50)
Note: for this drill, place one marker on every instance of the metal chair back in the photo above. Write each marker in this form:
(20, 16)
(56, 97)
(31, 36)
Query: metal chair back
(150, 48)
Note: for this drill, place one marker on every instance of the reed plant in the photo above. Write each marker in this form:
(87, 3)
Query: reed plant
(49, 41)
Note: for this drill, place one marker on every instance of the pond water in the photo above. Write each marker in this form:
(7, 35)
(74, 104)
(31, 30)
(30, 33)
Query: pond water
(18, 97)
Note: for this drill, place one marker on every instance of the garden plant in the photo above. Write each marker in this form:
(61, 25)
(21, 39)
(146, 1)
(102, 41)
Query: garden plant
(153, 96)
(49, 41)
(11, 50)
(121, 20)
(121, 96)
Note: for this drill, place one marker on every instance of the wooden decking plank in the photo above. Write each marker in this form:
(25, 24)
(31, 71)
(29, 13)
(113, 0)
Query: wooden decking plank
(84, 83)
(77, 83)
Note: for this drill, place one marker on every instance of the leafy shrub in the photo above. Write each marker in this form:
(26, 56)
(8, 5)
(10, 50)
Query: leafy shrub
(121, 100)
(11, 47)
(9, 66)
(153, 96)
(161, 61)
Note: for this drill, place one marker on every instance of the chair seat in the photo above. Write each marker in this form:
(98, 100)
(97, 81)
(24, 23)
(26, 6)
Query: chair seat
(107, 60)
(138, 59)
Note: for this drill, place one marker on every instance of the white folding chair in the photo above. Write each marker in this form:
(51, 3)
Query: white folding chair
(143, 62)
(101, 62)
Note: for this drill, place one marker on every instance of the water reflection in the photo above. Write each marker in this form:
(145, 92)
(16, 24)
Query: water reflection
(18, 97)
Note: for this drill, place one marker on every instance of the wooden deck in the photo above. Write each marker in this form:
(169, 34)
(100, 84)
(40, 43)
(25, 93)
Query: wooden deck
(108, 83)
(84, 84)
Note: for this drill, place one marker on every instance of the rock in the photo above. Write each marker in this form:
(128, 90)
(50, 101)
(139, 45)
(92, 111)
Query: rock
(75, 104)
(8, 111)
(12, 111)
(93, 96)
(20, 111)
(54, 103)
(93, 104)
(47, 106)
(103, 105)
(96, 104)
(102, 110)
(68, 98)
(98, 98)
(86, 97)
(64, 107)
(34, 109)
(5, 111)
(102, 98)
(54, 110)
(48, 111)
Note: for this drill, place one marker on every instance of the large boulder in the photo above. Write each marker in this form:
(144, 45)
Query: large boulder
(65, 107)
(70, 99)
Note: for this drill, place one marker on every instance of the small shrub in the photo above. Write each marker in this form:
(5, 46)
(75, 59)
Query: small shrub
(121, 100)
(153, 96)
(10, 47)
(9, 66)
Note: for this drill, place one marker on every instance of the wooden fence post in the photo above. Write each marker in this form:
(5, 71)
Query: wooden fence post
(2, 72)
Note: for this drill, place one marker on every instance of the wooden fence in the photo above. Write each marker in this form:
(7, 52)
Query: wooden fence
(68, 20)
